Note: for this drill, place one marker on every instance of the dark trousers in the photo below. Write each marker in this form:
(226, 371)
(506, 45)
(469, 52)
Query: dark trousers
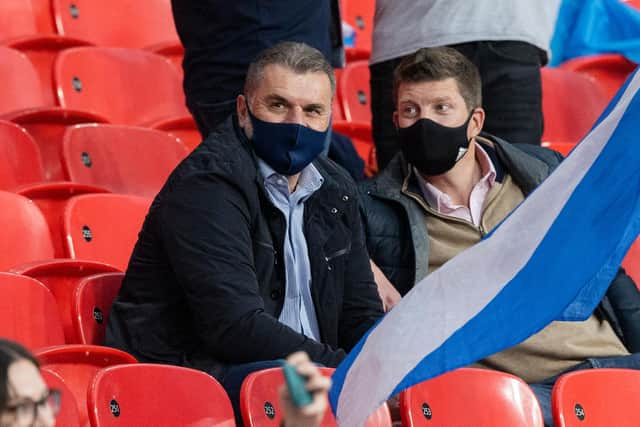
(511, 93)
(235, 375)
(209, 116)
(543, 389)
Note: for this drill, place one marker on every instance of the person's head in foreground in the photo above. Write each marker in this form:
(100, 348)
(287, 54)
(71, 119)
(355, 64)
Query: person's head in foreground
(25, 399)
(317, 384)
(286, 106)
(437, 94)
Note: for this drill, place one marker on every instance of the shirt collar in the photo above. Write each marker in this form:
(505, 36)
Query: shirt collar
(310, 179)
(438, 199)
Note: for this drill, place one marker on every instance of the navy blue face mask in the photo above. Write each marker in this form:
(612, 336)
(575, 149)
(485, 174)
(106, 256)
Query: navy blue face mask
(286, 147)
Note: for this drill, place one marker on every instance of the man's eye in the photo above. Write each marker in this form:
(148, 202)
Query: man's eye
(443, 108)
(410, 110)
(278, 105)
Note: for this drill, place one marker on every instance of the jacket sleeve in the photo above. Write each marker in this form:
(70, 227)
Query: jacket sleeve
(624, 297)
(362, 306)
(206, 230)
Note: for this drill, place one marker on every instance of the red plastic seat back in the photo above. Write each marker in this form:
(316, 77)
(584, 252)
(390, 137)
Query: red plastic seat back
(471, 397)
(24, 18)
(104, 227)
(571, 104)
(609, 71)
(359, 14)
(597, 397)
(362, 139)
(118, 23)
(183, 128)
(355, 92)
(159, 396)
(25, 236)
(69, 416)
(93, 297)
(20, 161)
(631, 262)
(127, 86)
(77, 365)
(260, 405)
(61, 277)
(28, 312)
(19, 82)
(123, 159)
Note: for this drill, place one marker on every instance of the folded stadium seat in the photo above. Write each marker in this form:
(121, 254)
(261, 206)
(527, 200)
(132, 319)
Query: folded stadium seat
(159, 396)
(122, 159)
(92, 299)
(337, 114)
(128, 86)
(631, 262)
(184, 128)
(360, 134)
(260, 405)
(28, 312)
(104, 227)
(62, 277)
(23, 102)
(571, 104)
(77, 365)
(27, 25)
(608, 70)
(471, 397)
(597, 397)
(25, 235)
(69, 416)
(359, 14)
(563, 148)
(355, 93)
(121, 23)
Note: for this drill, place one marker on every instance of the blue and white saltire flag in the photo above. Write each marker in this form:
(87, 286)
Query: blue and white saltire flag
(552, 259)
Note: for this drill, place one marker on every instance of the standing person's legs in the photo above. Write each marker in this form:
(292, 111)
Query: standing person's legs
(511, 88)
(382, 108)
(209, 116)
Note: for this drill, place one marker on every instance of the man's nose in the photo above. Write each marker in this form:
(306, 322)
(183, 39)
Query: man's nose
(296, 115)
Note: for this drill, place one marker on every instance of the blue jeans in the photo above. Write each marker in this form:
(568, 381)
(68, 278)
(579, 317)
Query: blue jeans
(543, 389)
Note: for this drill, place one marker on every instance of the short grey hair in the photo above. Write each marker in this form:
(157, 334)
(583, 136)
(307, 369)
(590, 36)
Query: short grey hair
(298, 57)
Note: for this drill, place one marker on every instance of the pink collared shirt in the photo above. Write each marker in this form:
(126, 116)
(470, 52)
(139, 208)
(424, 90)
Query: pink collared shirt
(441, 202)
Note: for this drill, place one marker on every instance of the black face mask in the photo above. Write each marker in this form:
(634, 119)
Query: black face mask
(432, 148)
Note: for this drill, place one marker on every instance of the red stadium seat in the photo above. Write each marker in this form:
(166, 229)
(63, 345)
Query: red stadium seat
(471, 397)
(609, 71)
(359, 14)
(28, 312)
(571, 104)
(360, 134)
(20, 18)
(104, 227)
(260, 406)
(631, 262)
(92, 301)
(61, 277)
(184, 128)
(123, 159)
(118, 23)
(355, 92)
(69, 416)
(23, 102)
(597, 397)
(20, 161)
(77, 365)
(25, 237)
(127, 86)
(159, 396)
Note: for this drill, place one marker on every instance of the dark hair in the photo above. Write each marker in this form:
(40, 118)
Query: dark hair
(298, 57)
(439, 63)
(10, 352)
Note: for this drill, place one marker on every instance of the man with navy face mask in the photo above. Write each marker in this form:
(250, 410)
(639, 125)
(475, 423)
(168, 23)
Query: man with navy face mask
(450, 186)
(254, 248)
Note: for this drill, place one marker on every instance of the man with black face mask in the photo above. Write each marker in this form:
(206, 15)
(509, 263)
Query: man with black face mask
(449, 186)
(254, 248)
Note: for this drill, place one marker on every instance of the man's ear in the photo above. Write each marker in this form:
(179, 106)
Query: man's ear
(476, 123)
(395, 119)
(241, 110)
